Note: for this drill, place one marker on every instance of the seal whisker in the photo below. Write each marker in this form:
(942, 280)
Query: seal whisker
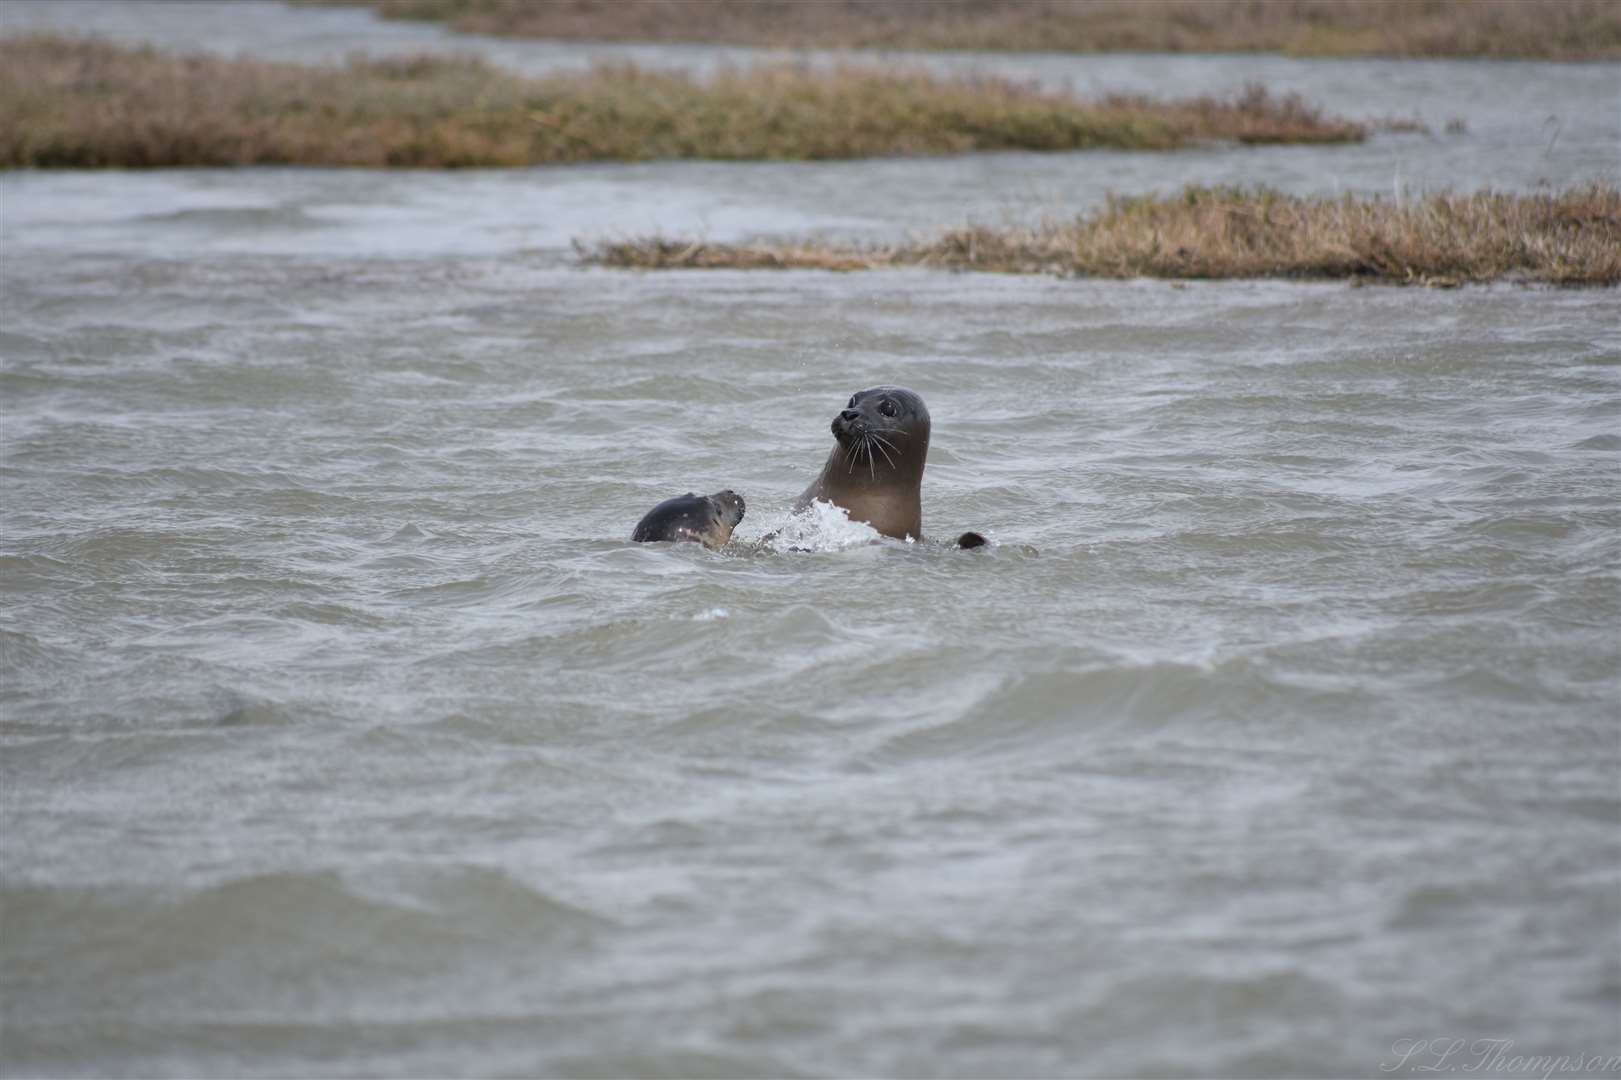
(880, 442)
(851, 454)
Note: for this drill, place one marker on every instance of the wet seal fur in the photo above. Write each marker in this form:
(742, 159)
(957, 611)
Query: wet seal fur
(875, 469)
(708, 519)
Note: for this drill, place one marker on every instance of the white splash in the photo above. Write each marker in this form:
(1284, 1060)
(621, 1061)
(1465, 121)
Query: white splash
(713, 614)
(821, 526)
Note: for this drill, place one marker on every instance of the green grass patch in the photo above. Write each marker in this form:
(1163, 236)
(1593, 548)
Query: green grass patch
(82, 104)
(1570, 238)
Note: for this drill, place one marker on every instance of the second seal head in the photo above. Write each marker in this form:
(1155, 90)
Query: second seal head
(708, 519)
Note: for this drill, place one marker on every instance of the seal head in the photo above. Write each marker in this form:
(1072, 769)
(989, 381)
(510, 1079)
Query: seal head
(708, 519)
(875, 470)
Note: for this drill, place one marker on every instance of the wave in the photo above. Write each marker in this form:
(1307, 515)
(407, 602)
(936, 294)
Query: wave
(1044, 710)
(384, 916)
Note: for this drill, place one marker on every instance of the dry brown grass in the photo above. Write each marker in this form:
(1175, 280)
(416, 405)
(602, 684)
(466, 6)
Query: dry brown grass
(1572, 238)
(66, 103)
(1556, 29)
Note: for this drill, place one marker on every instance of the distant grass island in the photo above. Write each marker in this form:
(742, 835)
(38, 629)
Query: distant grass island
(72, 103)
(1568, 238)
(1546, 29)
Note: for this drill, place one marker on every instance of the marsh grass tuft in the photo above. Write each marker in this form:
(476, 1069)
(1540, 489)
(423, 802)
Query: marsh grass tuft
(72, 103)
(1555, 29)
(1571, 238)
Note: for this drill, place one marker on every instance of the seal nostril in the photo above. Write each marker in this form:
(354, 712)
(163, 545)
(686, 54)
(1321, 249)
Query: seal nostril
(849, 414)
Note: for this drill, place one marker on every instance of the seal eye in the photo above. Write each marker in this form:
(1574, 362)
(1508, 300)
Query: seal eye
(887, 407)
(852, 402)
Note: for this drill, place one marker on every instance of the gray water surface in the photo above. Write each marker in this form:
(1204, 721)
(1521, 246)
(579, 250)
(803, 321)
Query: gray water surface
(343, 731)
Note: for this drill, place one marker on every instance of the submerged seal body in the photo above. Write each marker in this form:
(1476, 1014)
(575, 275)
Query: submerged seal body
(875, 470)
(708, 519)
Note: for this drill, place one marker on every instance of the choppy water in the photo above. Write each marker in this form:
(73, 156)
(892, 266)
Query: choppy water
(342, 731)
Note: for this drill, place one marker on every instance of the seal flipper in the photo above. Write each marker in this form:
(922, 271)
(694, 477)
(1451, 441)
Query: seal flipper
(971, 540)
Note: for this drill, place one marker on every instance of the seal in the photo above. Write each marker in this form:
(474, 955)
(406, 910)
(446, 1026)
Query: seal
(875, 469)
(708, 519)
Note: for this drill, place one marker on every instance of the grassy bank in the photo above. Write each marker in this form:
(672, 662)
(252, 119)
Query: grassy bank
(1554, 29)
(66, 103)
(1572, 238)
